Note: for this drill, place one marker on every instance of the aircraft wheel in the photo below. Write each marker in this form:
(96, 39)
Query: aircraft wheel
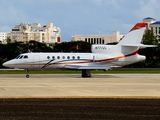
(86, 73)
(27, 76)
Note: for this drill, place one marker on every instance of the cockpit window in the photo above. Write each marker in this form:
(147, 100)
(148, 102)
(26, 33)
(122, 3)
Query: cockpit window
(25, 57)
(17, 57)
(21, 57)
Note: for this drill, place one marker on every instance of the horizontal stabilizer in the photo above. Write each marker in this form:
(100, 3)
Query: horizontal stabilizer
(138, 45)
(87, 67)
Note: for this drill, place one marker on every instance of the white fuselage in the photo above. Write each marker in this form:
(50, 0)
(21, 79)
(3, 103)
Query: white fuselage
(60, 60)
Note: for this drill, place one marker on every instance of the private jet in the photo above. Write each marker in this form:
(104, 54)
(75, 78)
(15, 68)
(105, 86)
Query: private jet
(102, 57)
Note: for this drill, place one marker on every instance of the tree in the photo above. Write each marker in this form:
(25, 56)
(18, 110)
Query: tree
(76, 46)
(149, 38)
(8, 40)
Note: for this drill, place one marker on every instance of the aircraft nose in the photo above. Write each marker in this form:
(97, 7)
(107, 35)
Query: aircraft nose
(5, 64)
(8, 64)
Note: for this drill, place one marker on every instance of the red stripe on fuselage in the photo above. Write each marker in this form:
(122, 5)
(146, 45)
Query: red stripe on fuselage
(103, 60)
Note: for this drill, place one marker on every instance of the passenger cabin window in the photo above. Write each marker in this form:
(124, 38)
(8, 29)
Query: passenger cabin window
(78, 57)
(53, 57)
(58, 57)
(73, 57)
(68, 57)
(48, 57)
(63, 57)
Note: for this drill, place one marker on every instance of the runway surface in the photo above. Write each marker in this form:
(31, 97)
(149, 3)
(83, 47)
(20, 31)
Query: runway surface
(70, 97)
(72, 85)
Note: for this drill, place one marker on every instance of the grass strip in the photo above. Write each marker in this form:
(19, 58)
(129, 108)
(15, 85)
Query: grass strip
(132, 71)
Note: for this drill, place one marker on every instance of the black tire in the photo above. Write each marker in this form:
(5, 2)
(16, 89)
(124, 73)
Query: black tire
(27, 76)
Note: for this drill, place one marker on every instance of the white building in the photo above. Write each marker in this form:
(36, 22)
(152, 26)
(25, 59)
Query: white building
(153, 24)
(3, 37)
(156, 29)
(98, 39)
(25, 32)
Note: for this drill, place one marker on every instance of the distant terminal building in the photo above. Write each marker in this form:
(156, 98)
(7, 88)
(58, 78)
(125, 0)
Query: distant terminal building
(3, 37)
(154, 25)
(25, 32)
(98, 39)
(156, 29)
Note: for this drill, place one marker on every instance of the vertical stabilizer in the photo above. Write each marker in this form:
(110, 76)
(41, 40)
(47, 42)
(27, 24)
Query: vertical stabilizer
(135, 34)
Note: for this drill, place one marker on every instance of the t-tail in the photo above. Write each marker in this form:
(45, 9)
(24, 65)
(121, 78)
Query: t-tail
(131, 42)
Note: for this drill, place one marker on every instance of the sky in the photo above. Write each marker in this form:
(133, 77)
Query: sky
(80, 17)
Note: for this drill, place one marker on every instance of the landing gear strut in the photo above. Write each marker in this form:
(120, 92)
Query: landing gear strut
(86, 73)
(27, 75)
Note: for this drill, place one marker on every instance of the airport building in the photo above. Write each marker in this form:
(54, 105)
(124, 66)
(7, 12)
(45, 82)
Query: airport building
(98, 39)
(116, 36)
(3, 37)
(25, 32)
(154, 25)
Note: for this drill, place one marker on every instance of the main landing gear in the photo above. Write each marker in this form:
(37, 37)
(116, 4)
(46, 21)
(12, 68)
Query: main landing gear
(86, 73)
(27, 75)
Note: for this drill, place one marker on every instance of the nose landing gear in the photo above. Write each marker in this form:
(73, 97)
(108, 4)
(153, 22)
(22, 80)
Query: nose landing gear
(27, 73)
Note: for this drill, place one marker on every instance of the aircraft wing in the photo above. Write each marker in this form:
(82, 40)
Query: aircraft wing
(138, 45)
(87, 67)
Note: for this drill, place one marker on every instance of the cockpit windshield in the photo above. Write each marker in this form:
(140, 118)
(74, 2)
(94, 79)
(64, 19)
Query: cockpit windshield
(22, 57)
(17, 57)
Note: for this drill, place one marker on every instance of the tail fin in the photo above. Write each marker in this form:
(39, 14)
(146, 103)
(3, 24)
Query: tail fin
(135, 35)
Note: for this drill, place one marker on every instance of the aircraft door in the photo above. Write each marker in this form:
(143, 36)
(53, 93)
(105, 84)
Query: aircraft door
(36, 62)
(93, 58)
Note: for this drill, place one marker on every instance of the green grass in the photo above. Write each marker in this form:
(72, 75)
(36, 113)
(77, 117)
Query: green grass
(120, 71)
